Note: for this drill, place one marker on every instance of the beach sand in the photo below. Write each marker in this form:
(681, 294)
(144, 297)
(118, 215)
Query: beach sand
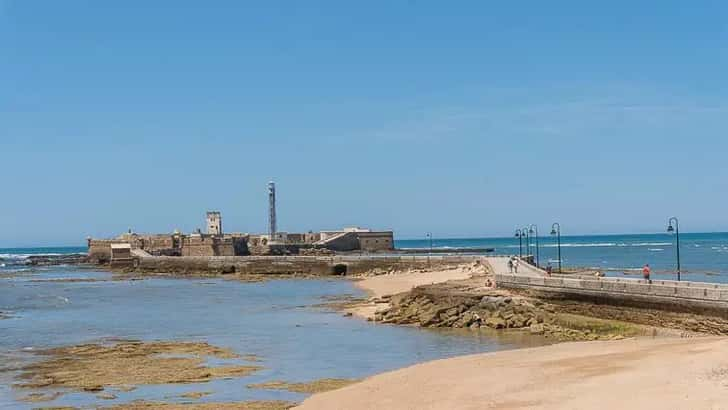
(639, 373)
(633, 373)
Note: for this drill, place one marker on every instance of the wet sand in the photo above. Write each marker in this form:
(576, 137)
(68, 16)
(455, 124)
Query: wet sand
(246, 405)
(316, 386)
(633, 373)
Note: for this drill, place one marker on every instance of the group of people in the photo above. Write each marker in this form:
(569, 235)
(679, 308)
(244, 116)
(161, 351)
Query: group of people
(513, 263)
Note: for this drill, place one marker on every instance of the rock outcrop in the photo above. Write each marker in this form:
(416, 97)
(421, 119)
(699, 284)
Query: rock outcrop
(494, 311)
(50, 260)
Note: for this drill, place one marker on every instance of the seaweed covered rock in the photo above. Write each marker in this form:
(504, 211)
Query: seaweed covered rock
(496, 311)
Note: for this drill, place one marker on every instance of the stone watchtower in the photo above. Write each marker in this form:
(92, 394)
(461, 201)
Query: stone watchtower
(214, 223)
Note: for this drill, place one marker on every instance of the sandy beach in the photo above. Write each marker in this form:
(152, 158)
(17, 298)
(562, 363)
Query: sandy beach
(383, 285)
(634, 373)
(392, 284)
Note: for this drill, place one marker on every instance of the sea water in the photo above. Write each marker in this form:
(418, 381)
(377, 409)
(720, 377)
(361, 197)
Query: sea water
(280, 321)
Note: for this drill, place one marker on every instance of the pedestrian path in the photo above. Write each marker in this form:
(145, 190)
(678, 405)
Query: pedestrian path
(500, 267)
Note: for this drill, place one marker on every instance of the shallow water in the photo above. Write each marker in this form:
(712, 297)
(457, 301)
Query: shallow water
(277, 321)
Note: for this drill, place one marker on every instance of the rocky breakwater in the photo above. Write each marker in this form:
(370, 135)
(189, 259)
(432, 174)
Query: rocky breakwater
(52, 260)
(43, 260)
(495, 310)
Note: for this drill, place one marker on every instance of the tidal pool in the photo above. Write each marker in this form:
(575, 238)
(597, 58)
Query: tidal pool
(278, 321)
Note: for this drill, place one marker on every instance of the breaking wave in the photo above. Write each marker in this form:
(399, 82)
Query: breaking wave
(24, 256)
(596, 245)
(579, 245)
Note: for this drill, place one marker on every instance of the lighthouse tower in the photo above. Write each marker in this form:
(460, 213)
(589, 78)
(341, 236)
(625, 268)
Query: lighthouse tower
(272, 228)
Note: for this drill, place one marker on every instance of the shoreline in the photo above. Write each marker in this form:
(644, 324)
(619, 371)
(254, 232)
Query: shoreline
(581, 374)
(630, 373)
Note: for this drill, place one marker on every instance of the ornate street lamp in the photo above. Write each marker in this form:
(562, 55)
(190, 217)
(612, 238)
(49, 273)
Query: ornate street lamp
(519, 235)
(429, 236)
(533, 229)
(675, 229)
(524, 232)
(556, 230)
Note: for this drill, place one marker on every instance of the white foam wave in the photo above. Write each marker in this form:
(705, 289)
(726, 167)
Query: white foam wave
(22, 256)
(579, 245)
(598, 244)
(655, 249)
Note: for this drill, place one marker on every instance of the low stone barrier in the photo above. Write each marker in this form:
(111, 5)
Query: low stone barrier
(310, 265)
(698, 297)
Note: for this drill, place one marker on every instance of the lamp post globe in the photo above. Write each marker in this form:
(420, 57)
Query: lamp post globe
(519, 235)
(556, 230)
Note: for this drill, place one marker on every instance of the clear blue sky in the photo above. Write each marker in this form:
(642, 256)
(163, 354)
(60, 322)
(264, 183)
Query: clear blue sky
(460, 118)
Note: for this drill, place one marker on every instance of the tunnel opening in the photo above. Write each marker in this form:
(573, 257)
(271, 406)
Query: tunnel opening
(339, 269)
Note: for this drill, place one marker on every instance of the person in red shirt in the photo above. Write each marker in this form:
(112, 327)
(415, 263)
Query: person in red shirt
(646, 273)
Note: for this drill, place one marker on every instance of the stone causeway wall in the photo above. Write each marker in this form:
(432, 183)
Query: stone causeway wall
(697, 297)
(310, 265)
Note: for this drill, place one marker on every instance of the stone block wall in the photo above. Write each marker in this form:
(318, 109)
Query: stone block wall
(693, 297)
(207, 246)
(312, 265)
(376, 241)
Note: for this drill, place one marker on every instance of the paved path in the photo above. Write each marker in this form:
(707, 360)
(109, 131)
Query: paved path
(500, 267)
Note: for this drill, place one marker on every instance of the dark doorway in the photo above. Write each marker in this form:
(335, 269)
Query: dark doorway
(339, 269)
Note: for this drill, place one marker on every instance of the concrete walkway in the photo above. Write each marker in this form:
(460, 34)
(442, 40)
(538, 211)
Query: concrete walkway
(500, 267)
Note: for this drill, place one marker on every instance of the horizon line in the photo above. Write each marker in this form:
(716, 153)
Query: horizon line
(440, 238)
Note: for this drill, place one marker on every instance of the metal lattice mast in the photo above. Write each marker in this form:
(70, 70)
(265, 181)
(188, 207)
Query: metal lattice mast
(272, 210)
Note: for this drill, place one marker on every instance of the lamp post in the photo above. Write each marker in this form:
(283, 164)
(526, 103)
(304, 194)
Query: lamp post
(556, 230)
(533, 229)
(429, 236)
(675, 229)
(524, 232)
(519, 235)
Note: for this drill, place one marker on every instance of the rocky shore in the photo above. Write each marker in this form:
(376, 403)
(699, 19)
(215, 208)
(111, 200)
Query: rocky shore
(98, 367)
(49, 260)
(424, 307)
(466, 297)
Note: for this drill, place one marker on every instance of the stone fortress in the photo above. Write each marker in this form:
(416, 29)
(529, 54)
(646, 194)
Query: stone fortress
(215, 242)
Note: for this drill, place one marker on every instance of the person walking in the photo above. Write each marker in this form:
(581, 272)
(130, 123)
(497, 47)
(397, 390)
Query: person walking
(515, 265)
(510, 264)
(646, 273)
